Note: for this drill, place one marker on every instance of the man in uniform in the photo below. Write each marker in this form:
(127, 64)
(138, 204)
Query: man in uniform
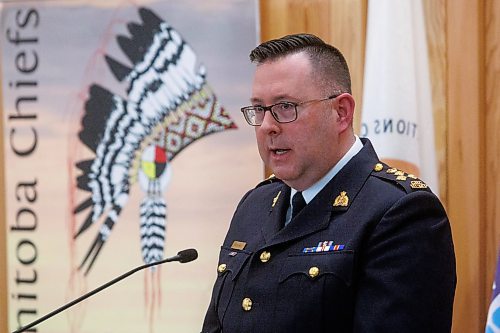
(337, 241)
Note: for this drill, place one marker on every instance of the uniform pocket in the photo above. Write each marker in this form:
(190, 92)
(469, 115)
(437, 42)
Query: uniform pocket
(231, 263)
(318, 265)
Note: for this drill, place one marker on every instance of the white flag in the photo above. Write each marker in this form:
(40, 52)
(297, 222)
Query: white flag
(397, 102)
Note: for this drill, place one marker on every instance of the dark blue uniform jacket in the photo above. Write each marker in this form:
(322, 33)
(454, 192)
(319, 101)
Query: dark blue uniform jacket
(372, 252)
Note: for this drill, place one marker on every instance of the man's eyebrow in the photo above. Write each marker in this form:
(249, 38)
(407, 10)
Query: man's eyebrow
(277, 99)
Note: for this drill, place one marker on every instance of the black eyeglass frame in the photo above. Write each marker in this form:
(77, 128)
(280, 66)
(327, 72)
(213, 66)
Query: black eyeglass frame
(269, 108)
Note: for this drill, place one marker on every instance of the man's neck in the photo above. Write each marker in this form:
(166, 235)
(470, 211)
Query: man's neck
(355, 147)
(309, 182)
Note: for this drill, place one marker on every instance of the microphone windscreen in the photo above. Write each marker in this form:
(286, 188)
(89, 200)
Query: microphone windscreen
(187, 255)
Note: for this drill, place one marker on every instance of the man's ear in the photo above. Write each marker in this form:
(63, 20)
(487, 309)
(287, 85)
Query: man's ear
(345, 109)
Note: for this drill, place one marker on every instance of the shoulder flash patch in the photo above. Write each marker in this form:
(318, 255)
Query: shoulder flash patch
(269, 180)
(408, 182)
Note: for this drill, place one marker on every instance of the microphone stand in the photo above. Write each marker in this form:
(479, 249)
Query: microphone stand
(178, 257)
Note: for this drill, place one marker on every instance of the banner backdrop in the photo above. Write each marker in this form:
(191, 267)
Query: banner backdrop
(123, 144)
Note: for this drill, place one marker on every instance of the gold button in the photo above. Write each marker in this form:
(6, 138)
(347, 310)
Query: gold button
(313, 271)
(265, 256)
(221, 268)
(378, 167)
(246, 304)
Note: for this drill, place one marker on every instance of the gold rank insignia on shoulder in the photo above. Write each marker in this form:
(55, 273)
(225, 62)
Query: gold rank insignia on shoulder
(238, 245)
(341, 200)
(378, 167)
(401, 177)
(418, 184)
(275, 199)
(392, 170)
(399, 173)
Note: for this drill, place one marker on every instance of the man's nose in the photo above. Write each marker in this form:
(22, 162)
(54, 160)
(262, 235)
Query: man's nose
(269, 124)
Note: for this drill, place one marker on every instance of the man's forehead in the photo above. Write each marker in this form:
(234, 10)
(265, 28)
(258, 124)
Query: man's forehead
(281, 80)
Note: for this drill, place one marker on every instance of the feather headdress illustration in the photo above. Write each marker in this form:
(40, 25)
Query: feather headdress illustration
(168, 105)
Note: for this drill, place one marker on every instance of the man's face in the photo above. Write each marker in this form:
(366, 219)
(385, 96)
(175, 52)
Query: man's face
(303, 151)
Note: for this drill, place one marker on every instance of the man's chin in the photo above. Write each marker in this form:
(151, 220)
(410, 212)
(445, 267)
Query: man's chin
(284, 175)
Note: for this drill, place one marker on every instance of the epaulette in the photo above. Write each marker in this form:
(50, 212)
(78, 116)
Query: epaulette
(407, 181)
(269, 180)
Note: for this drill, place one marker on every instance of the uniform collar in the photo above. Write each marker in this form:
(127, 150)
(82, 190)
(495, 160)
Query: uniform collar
(319, 212)
(313, 190)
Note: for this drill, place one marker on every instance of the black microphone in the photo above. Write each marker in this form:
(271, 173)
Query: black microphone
(182, 257)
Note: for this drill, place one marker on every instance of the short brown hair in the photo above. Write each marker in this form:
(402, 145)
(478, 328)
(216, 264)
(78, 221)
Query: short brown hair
(327, 61)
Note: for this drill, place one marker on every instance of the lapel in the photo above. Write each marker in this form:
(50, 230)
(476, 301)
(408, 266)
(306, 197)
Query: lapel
(334, 199)
(278, 207)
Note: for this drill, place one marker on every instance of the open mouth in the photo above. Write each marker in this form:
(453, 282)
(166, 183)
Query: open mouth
(280, 151)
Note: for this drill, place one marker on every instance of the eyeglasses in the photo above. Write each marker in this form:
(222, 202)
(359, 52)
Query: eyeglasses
(282, 112)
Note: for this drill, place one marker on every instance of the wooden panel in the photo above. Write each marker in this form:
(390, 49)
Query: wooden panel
(348, 33)
(492, 197)
(435, 24)
(465, 154)
(282, 17)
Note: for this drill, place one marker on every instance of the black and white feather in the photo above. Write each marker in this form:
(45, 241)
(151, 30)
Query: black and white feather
(167, 106)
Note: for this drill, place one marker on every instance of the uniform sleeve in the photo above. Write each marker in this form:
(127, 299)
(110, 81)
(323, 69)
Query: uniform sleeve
(407, 271)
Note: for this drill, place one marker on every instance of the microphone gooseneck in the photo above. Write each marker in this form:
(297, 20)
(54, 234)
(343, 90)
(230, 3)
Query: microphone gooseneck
(183, 256)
